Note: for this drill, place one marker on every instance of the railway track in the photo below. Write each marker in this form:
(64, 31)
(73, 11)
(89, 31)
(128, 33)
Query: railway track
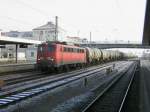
(15, 75)
(113, 96)
(23, 77)
(49, 78)
(18, 93)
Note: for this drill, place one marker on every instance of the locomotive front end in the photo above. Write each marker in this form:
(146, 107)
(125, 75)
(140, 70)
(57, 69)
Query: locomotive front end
(45, 56)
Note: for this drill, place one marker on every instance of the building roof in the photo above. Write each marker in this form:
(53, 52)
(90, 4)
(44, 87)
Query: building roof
(49, 25)
(17, 34)
(13, 40)
(26, 34)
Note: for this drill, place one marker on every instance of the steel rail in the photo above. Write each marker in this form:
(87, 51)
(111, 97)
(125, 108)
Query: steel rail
(64, 75)
(107, 88)
(128, 88)
(42, 88)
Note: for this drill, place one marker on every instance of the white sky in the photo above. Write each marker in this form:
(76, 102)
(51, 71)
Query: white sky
(106, 19)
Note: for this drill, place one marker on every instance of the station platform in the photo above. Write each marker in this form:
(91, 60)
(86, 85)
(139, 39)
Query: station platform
(145, 86)
(9, 62)
(7, 68)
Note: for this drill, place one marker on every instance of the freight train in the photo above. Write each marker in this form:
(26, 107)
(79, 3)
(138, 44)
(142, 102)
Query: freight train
(57, 56)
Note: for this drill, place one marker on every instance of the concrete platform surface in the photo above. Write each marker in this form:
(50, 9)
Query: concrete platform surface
(145, 86)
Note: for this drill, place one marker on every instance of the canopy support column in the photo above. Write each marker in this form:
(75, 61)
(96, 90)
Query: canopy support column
(16, 53)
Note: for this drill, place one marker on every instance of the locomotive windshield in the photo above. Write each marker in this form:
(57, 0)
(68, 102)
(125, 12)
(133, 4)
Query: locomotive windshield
(51, 48)
(43, 48)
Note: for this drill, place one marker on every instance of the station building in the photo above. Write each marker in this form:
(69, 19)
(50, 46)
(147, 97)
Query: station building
(47, 32)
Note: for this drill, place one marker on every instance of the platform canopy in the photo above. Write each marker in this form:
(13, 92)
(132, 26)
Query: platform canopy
(16, 41)
(12, 40)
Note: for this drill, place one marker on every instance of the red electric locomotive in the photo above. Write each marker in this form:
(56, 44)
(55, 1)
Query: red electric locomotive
(52, 55)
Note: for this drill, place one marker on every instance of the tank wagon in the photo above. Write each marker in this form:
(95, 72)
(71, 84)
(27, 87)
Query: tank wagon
(94, 55)
(54, 55)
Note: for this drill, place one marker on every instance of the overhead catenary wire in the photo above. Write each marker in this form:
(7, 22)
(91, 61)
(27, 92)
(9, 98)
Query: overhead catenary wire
(41, 12)
(21, 22)
(16, 20)
(34, 9)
